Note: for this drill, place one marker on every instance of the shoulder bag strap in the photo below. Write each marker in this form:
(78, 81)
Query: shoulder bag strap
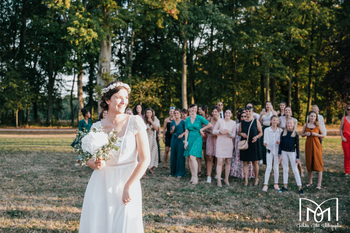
(249, 128)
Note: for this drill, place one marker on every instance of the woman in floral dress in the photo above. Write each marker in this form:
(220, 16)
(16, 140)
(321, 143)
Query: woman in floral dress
(152, 124)
(236, 163)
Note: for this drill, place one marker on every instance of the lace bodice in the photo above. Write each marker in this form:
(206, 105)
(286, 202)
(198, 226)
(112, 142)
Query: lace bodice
(127, 144)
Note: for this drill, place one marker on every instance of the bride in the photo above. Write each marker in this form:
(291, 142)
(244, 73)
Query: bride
(113, 199)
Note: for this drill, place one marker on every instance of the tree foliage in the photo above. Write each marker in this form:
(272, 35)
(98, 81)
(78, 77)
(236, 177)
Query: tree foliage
(233, 51)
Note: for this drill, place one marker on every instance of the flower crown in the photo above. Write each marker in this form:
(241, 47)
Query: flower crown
(115, 85)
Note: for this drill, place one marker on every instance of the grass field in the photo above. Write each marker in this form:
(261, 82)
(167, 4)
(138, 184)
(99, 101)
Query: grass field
(42, 191)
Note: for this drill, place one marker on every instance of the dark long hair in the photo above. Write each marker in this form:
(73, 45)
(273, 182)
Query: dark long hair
(146, 118)
(134, 110)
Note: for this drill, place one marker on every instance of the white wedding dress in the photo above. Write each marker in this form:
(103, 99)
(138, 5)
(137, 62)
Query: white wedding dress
(103, 210)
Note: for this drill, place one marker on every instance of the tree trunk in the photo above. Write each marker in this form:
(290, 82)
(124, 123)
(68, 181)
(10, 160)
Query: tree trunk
(50, 89)
(23, 30)
(104, 65)
(184, 76)
(91, 103)
(16, 113)
(234, 56)
(309, 100)
(329, 114)
(273, 92)
(131, 52)
(290, 83)
(35, 110)
(267, 85)
(80, 92)
(71, 101)
(297, 95)
(27, 115)
(104, 61)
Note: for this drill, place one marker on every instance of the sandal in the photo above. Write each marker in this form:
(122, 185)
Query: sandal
(277, 187)
(265, 188)
(318, 187)
(307, 185)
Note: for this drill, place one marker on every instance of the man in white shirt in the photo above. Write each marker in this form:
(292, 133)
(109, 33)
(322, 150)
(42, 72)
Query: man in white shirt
(221, 112)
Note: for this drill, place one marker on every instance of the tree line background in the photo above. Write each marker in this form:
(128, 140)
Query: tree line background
(172, 53)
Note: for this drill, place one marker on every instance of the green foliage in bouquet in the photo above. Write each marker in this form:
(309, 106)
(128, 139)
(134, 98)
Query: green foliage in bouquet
(94, 144)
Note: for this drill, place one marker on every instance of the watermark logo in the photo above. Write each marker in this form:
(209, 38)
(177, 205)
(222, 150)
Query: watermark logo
(318, 212)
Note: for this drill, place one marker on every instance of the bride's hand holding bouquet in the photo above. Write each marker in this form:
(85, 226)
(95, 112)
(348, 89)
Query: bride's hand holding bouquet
(94, 147)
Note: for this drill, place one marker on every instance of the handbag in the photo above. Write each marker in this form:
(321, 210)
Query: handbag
(243, 145)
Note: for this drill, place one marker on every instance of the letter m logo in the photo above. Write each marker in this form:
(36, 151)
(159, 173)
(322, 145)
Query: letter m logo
(317, 211)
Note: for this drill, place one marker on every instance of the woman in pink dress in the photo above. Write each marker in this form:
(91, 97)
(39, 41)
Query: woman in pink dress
(211, 142)
(225, 129)
(236, 163)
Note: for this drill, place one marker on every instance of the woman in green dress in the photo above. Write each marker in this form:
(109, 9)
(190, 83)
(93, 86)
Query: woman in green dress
(85, 124)
(193, 139)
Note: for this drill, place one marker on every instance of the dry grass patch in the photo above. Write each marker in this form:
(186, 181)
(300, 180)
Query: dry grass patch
(42, 191)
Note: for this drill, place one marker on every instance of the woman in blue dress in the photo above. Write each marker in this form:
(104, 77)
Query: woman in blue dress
(85, 124)
(177, 158)
(193, 139)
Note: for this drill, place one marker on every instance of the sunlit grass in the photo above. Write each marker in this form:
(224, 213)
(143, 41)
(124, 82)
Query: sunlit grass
(42, 191)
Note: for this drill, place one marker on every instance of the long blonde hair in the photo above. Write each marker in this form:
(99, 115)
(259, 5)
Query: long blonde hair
(286, 130)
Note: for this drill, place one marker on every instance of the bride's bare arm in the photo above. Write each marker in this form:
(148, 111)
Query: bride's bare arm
(143, 150)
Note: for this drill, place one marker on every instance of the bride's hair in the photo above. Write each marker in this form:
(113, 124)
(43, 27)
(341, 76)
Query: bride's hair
(108, 92)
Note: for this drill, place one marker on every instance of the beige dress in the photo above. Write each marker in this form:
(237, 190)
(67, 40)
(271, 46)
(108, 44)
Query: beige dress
(151, 133)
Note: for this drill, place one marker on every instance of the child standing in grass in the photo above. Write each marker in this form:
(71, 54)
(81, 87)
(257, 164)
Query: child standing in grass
(289, 150)
(272, 136)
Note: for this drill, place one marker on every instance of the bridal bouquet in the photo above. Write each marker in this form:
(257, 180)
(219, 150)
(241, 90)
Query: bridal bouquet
(94, 144)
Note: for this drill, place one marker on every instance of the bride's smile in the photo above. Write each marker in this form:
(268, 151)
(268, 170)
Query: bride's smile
(118, 102)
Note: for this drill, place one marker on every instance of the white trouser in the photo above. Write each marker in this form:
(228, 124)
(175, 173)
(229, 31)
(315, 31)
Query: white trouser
(269, 157)
(292, 158)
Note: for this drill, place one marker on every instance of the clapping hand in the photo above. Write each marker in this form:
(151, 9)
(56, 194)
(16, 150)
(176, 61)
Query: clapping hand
(224, 131)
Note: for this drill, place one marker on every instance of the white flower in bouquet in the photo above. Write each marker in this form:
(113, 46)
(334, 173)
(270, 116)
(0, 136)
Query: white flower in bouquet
(94, 141)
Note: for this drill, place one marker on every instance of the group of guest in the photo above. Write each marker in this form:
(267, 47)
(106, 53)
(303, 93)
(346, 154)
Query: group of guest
(271, 139)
